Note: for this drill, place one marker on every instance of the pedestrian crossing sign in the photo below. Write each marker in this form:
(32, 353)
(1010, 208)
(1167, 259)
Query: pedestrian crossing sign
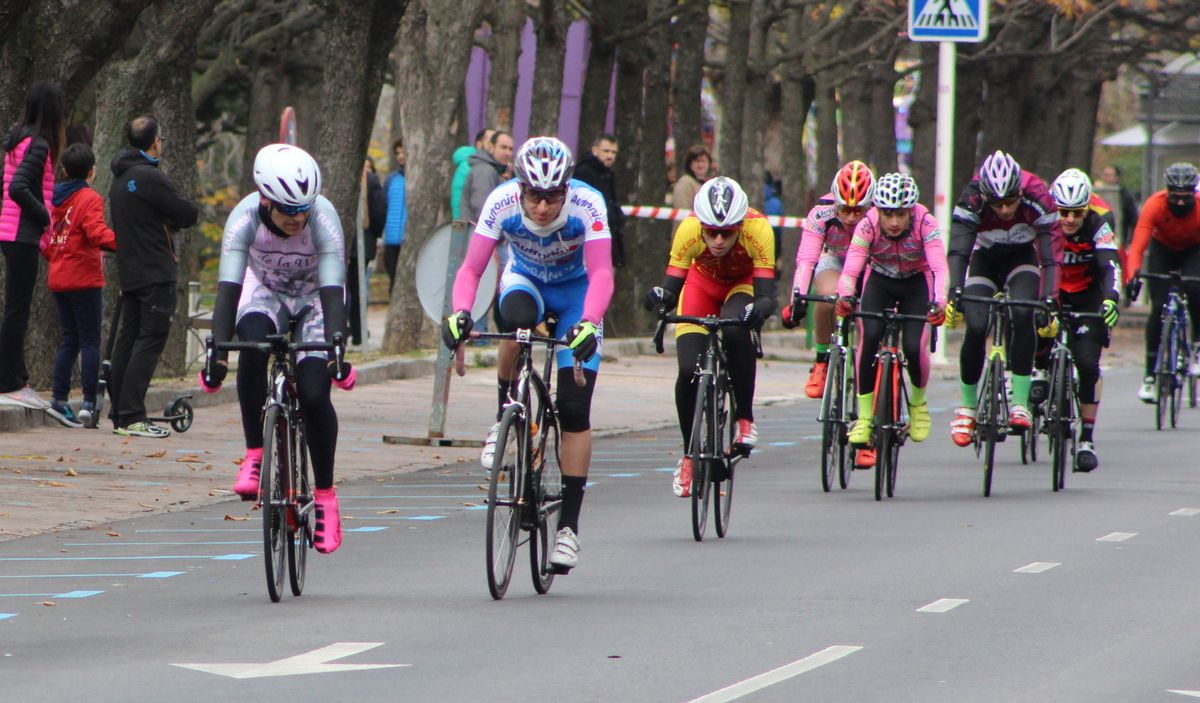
(948, 20)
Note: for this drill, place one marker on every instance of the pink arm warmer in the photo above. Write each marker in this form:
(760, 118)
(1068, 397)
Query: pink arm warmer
(935, 257)
(856, 257)
(807, 254)
(597, 258)
(466, 283)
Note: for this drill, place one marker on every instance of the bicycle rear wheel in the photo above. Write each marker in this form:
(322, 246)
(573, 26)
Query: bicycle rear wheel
(723, 489)
(831, 446)
(1060, 419)
(1164, 367)
(272, 489)
(504, 500)
(701, 451)
(547, 490)
(1181, 369)
(300, 528)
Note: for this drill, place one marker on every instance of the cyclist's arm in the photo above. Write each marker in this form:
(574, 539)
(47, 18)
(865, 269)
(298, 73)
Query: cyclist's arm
(597, 259)
(240, 229)
(1151, 211)
(856, 257)
(935, 256)
(1106, 263)
(479, 250)
(1047, 263)
(812, 239)
(964, 227)
(331, 266)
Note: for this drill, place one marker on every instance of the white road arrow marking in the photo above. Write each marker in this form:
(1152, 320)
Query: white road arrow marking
(1193, 694)
(314, 662)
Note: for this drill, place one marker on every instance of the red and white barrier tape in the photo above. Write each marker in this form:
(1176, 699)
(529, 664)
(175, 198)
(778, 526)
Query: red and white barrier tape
(675, 214)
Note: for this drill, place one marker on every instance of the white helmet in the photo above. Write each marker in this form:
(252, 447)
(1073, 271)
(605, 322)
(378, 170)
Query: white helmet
(896, 191)
(544, 163)
(287, 175)
(999, 177)
(720, 203)
(1072, 189)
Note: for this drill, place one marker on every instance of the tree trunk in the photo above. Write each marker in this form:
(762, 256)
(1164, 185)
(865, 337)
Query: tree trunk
(687, 122)
(797, 94)
(755, 106)
(922, 119)
(268, 88)
(733, 88)
(968, 108)
(507, 20)
(882, 87)
(550, 26)
(597, 80)
(854, 96)
(434, 51)
(827, 134)
(1081, 137)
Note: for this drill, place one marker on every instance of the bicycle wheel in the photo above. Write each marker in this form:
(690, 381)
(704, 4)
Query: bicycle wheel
(504, 500)
(546, 487)
(1181, 369)
(992, 400)
(723, 489)
(1060, 395)
(1163, 372)
(272, 489)
(831, 445)
(700, 451)
(299, 527)
(1191, 391)
(883, 424)
(848, 415)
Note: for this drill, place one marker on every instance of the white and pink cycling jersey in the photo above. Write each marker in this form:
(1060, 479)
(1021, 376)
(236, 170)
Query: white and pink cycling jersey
(920, 250)
(823, 238)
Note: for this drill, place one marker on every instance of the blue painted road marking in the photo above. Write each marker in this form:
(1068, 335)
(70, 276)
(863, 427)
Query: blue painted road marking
(154, 544)
(624, 475)
(367, 529)
(150, 575)
(69, 594)
(223, 557)
(5, 616)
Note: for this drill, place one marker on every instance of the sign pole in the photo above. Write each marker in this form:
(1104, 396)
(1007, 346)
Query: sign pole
(944, 156)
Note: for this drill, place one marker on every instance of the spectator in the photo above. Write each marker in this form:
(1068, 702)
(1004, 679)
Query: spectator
(395, 196)
(31, 150)
(1127, 202)
(696, 165)
(462, 167)
(77, 280)
(596, 169)
(146, 209)
(488, 166)
(372, 228)
(772, 205)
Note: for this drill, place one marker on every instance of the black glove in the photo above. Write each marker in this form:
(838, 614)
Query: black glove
(214, 373)
(1134, 288)
(794, 314)
(659, 296)
(757, 312)
(456, 328)
(584, 340)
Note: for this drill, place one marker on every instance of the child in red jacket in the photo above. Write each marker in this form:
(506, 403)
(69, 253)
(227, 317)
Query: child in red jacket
(77, 279)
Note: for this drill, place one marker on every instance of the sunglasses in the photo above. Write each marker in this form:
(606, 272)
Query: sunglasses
(291, 210)
(1006, 202)
(1180, 197)
(550, 197)
(1076, 212)
(721, 234)
(845, 210)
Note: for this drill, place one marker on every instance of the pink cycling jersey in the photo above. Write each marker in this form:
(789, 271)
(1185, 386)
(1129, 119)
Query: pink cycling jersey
(919, 250)
(822, 232)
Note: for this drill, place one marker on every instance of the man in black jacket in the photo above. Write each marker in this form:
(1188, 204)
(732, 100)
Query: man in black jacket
(596, 170)
(146, 210)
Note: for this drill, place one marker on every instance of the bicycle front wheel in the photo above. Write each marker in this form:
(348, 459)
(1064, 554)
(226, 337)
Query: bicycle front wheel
(1060, 419)
(300, 528)
(546, 477)
(272, 491)
(993, 425)
(701, 452)
(504, 500)
(883, 425)
(723, 485)
(831, 445)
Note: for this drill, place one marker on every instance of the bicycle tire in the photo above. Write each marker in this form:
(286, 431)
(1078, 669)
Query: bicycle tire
(722, 498)
(546, 486)
(1182, 352)
(300, 537)
(1060, 416)
(1191, 391)
(272, 491)
(831, 446)
(846, 419)
(504, 501)
(883, 422)
(1163, 374)
(101, 393)
(993, 426)
(701, 448)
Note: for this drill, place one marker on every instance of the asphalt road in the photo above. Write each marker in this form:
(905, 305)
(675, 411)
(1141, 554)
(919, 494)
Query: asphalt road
(938, 594)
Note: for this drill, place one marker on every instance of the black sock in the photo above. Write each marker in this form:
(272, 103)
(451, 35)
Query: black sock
(502, 387)
(1085, 430)
(823, 357)
(572, 501)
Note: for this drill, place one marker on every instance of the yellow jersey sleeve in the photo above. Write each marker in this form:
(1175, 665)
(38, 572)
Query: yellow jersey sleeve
(686, 245)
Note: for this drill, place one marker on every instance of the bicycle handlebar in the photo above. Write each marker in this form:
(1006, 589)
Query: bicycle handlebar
(815, 298)
(890, 314)
(282, 344)
(520, 337)
(712, 323)
(1174, 276)
(1004, 301)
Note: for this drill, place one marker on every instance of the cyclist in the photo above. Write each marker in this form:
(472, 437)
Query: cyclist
(722, 263)
(560, 261)
(1169, 227)
(283, 267)
(1090, 280)
(1000, 237)
(824, 240)
(900, 245)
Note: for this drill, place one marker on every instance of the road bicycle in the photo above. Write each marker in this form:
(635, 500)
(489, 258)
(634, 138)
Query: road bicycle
(991, 415)
(525, 485)
(1174, 350)
(891, 424)
(1062, 402)
(711, 449)
(285, 480)
(838, 410)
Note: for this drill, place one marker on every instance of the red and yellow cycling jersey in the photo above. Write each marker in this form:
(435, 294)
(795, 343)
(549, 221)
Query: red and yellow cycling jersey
(752, 256)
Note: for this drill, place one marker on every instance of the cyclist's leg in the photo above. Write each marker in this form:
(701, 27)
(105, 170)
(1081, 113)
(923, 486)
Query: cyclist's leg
(521, 307)
(700, 296)
(688, 349)
(1159, 259)
(875, 297)
(1189, 265)
(1023, 283)
(259, 315)
(739, 351)
(983, 279)
(1086, 342)
(825, 281)
(914, 300)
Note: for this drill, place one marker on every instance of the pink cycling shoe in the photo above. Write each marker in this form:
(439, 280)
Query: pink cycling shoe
(327, 531)
(247, 480)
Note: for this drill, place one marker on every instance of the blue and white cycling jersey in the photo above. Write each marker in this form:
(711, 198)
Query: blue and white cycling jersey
(549, 254)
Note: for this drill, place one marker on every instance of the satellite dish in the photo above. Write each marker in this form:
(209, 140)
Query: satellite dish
(431, 277)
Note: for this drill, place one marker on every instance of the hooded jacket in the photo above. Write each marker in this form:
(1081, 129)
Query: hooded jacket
(73, 244)
(27, 187)
(462, 167)
(591, 171)
(485, 175)
(146, 210)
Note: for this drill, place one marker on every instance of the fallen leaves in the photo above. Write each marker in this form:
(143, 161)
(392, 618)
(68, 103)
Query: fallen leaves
(388, 512)
(113, 533)
(52, 484)
(48, 603)
(156, 455)
(72, 472)
(237, 518)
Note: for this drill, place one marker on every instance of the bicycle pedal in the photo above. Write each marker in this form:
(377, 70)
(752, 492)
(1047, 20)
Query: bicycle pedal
(559, 570)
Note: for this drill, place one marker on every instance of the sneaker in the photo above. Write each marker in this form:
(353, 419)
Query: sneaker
(488, 456)
(566, 551)
(682, 483)
(246, 484)
(327, 530)
(1194, 360)
(1085, 457)
(962, 427)
(143, 429)
(1146, 392)
(860, 433)
(747, 434)
(25, 397)
(815, 387)
(86, 410)
(919, 423)
(864, 458)
(64, 414)
(1019, 418)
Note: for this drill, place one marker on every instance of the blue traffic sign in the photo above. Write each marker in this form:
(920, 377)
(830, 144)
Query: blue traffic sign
(948, 20)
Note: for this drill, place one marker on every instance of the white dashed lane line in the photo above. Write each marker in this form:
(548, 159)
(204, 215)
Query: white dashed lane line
(1037, 567)
(774, 676)
(1116, 537)
(1185, 512)
(943, 605)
